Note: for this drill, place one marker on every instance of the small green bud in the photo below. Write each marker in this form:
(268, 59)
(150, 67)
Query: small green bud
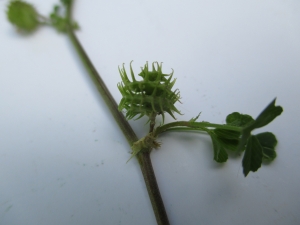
(22, 15)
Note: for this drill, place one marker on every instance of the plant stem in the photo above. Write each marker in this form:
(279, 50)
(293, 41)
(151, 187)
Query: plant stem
(152, 121)
(143, 157)
(188, 125)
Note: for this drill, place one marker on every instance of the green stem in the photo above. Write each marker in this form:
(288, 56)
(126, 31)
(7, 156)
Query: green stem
(185, 129)
(152, 121)
(188, 125)
(144, 157)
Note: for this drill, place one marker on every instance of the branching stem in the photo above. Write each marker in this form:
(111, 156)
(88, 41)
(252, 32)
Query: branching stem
(143, 157)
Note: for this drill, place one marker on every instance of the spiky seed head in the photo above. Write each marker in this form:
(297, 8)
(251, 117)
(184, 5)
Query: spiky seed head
(22, 15)
(151, 95)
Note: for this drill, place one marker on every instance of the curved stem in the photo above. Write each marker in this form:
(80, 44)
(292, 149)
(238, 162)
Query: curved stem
(144, 157)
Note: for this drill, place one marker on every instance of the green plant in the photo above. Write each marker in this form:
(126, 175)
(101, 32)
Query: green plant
(61, 20)
(146, 97)
(153, 96)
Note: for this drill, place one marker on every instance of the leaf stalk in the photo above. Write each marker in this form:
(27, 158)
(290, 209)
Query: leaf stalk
(193, 126)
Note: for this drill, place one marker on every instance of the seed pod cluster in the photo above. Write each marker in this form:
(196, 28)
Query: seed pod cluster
(150, 96)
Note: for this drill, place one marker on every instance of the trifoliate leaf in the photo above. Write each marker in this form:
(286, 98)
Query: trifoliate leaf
(268, 141)
(23, 15)
(220, 154)
(253, 155)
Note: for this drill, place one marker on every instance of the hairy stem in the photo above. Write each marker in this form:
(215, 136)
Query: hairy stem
(144, 157)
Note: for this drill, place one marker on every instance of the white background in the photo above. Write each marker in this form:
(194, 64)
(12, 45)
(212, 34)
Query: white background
(62, 156)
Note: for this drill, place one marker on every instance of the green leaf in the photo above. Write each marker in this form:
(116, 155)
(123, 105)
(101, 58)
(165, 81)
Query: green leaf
(264, 118)
(227, 134)
(268, 141)
(229, 144)
(229, 138)
(253, 155)
(23, 15)
(245, 135)
(267, 115)
(238, 119)
(58, 20)
(220, 154)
